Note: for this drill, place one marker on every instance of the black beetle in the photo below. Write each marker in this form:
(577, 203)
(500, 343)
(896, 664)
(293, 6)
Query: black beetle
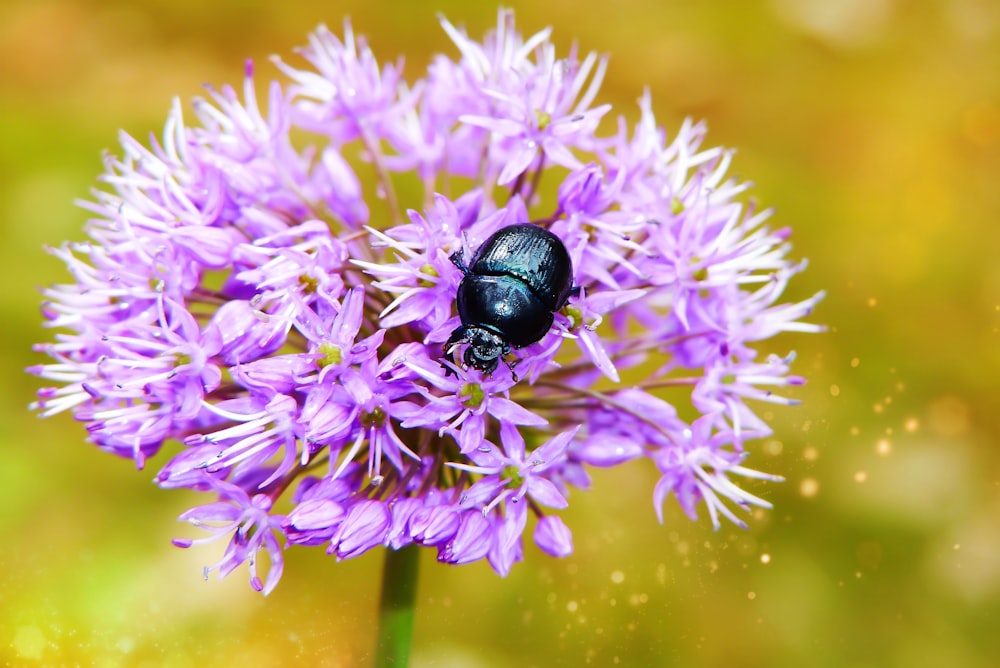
(517, 279)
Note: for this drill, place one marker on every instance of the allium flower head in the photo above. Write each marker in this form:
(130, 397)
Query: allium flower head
(259, 287)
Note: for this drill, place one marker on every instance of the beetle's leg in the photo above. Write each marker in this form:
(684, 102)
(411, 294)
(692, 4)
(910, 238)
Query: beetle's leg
(511, 365)
(458, 259)
(458, 337)
(573, 292)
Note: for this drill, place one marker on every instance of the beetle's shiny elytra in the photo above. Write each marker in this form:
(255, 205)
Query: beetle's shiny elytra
(517, 279)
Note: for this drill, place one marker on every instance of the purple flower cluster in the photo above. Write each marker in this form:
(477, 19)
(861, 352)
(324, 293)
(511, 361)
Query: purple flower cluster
(268, 291)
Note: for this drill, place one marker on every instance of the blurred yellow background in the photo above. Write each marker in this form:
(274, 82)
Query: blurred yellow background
(873, 127)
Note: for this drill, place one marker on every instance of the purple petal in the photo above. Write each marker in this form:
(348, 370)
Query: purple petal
(513, 442)
(506, 548)
(506, 410)
(402, 510)
(553, 537)
(472, 541)
(364, 527)
(594, 348)
(607, 450)
(434, 525)
(483, 491)
(553, 449)
(316, 514)
(212, 246)
(210, 513)
(277, 566)
(546, 493)
(518, 162)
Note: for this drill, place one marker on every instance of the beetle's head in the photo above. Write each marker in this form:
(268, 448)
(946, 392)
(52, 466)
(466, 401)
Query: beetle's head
(485, 349)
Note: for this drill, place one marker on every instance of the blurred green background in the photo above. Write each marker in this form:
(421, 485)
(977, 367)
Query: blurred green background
(873, 127)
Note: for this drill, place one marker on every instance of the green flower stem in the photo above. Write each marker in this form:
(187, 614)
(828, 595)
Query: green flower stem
(397, 607)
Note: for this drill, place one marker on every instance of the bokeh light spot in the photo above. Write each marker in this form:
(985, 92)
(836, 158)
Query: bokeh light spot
(948, 417)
